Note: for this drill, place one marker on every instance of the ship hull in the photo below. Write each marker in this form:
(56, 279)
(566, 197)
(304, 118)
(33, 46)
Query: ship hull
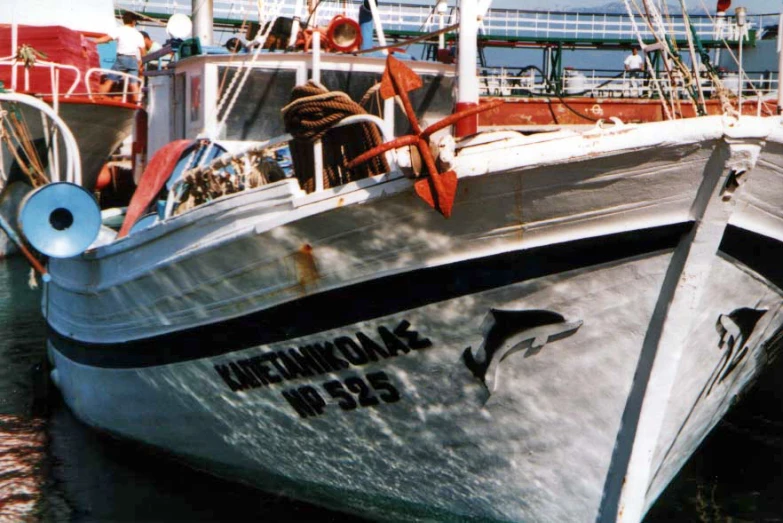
(518, 361)
(535, 114)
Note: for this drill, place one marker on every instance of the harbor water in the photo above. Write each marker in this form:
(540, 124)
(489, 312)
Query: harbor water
(53, 468)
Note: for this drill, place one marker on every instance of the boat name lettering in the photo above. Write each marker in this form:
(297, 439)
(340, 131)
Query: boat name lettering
(350, 393)
(316, 359)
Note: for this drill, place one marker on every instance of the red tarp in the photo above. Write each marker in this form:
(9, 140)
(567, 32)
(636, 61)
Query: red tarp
(62, 46)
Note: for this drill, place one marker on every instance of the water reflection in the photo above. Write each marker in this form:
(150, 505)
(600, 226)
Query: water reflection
(104, 479)
(22, 456)
(22, 434)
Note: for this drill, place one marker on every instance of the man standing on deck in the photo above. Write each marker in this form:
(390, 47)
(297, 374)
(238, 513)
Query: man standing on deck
(130, 49)
(151, 46)
(634, 67)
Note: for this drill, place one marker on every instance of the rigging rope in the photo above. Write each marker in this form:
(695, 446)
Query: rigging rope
(692, 50)
(665, 107)
(16, 135)
(736, 61)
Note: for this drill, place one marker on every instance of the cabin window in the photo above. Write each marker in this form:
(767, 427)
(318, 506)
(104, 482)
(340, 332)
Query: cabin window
(178, 101)
(354, 84)
(256, 114)
(432, 102)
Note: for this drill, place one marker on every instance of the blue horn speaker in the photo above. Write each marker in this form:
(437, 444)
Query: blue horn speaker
(60, 219)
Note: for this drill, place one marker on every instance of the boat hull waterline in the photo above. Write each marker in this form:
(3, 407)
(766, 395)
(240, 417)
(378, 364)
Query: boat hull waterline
(510, 363)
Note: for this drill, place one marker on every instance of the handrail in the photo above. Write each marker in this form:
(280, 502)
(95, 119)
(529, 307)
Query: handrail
(499, 82)
(127, 77)
(227, 158)
(223, 159)
(54, 68)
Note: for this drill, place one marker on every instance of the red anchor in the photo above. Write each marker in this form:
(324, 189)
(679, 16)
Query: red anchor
(439, 189)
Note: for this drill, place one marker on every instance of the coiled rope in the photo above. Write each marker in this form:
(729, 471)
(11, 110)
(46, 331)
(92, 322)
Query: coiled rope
(309, 116)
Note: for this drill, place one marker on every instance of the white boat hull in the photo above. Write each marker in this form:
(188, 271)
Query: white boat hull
(529, 359)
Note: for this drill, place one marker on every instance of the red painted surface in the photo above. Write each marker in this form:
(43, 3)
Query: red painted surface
(338, 24)
(152, 181)
(61, 45)
(468, 125)
(518, 112)
(76, 99)
(104, 177)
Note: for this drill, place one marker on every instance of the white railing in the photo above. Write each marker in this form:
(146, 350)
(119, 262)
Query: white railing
(54, 75)
(175, 191)
(593, 27)
(126, 81)
(597, 84)
(506, 23)
(55, 70)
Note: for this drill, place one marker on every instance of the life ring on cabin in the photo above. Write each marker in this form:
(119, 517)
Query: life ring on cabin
(343, 34)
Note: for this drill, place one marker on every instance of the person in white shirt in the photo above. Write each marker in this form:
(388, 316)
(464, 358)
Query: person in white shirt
(151, 46)
(130, 49)
(634, 62)
(634, 66)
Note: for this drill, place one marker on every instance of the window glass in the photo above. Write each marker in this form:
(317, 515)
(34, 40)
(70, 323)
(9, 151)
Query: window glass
(256, 113)
(431, 103)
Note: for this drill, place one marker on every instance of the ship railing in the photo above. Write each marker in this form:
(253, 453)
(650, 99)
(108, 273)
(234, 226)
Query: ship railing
(126, 81)
(759, 89)
(524, 25)
(611, 84)
(503, 23)
(260, 148)
(55, 71)
(761, 84)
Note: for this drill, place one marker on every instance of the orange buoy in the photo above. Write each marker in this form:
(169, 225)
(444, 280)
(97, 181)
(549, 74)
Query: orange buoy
(104, 178)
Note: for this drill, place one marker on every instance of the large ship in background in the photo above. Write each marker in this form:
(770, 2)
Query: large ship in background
(555, 69)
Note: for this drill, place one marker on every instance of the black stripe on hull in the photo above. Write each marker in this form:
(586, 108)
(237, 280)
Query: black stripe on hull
(371, 299)
(762, 254)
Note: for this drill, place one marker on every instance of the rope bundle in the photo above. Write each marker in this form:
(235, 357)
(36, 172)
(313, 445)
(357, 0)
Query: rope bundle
(208, 183)
(29, 155)
(313, 110)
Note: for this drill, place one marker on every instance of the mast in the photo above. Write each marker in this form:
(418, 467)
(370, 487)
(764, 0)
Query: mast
(202, 20)
(780, 64)
(467, 81)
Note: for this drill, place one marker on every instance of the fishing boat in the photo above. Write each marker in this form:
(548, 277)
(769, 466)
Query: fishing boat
(46, 51)
(387, 312)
